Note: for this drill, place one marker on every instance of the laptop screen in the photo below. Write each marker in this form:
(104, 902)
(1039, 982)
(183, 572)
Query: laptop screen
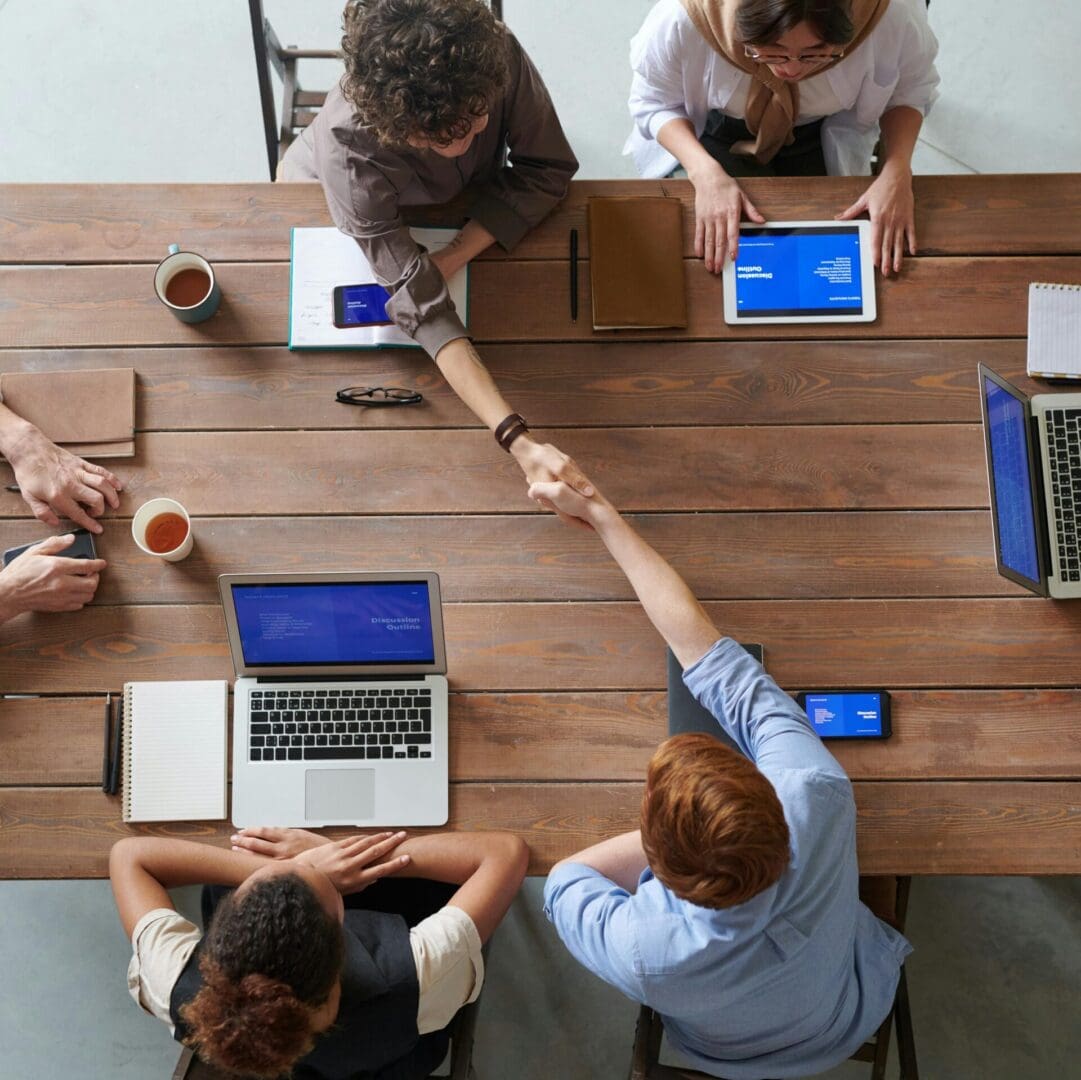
(1013, 498)
(337, 622)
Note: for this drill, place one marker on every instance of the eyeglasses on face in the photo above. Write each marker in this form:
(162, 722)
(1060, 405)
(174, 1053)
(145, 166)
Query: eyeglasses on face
(378, 397)
(779, 59)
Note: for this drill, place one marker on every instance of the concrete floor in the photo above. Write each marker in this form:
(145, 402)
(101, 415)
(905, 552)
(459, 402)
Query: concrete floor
(130, 90)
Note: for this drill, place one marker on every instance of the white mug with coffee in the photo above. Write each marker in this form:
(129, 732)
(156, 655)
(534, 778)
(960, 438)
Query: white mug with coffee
(187, 286)
(162, 527)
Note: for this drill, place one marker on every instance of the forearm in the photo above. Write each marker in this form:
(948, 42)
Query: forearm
(679, 139)
(13, 429)
(671, 606)
(142, 869)
(466, 246)
(900, 129)
(620, 859)
(472, 382)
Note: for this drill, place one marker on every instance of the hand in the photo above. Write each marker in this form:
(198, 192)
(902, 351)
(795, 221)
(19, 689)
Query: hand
(37, 580)
(542, 463)
(277, 843)
(718, 204)
(354, 863)
(572, 507)
(55, 482)
(891, 206)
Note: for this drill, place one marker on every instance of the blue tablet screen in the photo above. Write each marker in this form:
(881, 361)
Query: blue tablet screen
(845, 715)
(799, 271)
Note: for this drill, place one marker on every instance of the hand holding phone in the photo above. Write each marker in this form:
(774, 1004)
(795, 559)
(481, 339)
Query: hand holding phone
(44, 578)
(847, 714)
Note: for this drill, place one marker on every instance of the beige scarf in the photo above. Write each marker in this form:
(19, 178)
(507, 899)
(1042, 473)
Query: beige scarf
(772, 103)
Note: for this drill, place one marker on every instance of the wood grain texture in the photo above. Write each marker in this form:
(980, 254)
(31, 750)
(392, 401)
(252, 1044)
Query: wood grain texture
(99, 223)
(535, 557)
(581, 384)
(588, 646)
(639, 469)
(610, 736)
(116, 306)
(1008, 827)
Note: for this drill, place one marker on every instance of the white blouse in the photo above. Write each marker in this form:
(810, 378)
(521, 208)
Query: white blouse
(678, 75)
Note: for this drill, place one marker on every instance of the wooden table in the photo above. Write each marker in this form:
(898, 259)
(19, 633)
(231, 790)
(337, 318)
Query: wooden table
(823, 489)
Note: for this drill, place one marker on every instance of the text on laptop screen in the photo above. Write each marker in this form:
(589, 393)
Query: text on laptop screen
(339, 622)
(1014, 509)
(799, 271)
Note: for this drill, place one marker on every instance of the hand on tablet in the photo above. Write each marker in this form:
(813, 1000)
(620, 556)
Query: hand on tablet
(891, 207)
(719, 203)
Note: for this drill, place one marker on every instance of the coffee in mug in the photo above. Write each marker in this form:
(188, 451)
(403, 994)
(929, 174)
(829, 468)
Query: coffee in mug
(186, 285)
(166, 532)
(162, 527)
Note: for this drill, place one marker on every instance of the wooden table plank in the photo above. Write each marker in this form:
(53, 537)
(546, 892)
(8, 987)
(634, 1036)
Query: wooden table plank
(810, 644)
(535, 557)
(1006, 827)
(116, 306)
(582, 384)
(610, 736)
(639, 469)
(99, 223)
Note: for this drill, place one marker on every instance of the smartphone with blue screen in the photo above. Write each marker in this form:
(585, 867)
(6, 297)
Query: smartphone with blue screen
(847, 714)
(360, 305)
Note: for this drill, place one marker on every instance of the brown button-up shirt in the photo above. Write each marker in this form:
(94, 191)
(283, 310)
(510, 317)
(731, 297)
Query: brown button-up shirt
(520, 166)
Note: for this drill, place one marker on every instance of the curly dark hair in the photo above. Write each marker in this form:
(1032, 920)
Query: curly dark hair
(762, 22)
(422, 68)
(270, 959)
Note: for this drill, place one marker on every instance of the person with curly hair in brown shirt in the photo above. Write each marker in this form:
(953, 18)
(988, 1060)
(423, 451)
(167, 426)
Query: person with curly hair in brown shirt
(439, 98)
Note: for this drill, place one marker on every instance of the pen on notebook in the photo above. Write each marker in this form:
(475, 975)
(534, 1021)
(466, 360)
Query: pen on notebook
(106, 763)
(574, 275)
(114, 765)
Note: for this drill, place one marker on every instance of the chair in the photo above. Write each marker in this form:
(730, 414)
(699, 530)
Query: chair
(299, 106)
(462, 1031)
(890, 908)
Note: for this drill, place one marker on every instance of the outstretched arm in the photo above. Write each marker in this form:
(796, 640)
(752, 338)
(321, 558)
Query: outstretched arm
(670, 605)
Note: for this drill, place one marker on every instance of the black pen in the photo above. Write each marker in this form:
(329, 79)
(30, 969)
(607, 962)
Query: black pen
(13, 487)
(114, 770)
(574, 275)
(106, 764)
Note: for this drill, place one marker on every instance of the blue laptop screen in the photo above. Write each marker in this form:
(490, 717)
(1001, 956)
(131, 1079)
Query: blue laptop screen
(845, 715)
(1011, 478)
(799, 271)
(335, 623)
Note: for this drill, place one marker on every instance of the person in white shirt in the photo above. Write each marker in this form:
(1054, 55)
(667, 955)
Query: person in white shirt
(296, 972)
(731, 88)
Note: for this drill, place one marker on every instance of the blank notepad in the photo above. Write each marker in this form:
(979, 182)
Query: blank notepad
(175, 741)
(1054, 330)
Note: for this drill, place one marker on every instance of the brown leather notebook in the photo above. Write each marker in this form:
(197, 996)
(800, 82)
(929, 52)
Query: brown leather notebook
(90, 413)
(636, 262)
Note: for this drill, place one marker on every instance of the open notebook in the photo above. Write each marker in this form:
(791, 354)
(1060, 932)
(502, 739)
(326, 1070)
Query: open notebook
(175, 742)
(1054, 330)
(325, 258)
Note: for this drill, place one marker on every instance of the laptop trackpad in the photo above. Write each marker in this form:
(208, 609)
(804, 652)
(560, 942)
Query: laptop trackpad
(339, 794)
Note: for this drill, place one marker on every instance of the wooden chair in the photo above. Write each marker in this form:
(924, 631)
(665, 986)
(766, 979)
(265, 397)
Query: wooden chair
(299, 106)
(462, 1032)
(890, 908)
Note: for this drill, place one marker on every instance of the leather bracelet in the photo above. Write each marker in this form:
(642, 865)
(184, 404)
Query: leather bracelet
(509, 429)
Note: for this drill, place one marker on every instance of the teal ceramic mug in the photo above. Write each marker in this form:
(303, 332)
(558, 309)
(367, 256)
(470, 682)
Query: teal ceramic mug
(187, 286)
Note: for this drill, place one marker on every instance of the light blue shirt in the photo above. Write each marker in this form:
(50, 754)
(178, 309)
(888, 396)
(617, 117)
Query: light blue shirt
(789, 983)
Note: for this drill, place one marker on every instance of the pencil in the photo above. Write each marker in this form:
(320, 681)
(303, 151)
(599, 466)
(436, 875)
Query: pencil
(114, 765)
(106, 763)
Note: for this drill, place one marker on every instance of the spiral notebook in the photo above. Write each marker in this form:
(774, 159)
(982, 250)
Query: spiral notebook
(175, 751)
(1054, 330)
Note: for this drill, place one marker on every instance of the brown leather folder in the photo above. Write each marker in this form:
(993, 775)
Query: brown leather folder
(90, 413)
(636, 262)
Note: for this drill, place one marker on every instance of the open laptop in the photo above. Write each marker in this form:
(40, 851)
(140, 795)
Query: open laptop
(1034, 472)
(340, 704)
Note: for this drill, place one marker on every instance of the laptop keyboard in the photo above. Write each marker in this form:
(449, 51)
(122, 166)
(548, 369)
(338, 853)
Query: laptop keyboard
(350, 723)
(1064, 453)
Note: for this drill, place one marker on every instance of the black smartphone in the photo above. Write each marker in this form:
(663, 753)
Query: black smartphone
(82, 547)
(360, 305)
(847, 714)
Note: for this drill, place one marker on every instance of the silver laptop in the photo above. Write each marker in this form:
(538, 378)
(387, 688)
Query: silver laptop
(340, 703)
(1034, 472)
